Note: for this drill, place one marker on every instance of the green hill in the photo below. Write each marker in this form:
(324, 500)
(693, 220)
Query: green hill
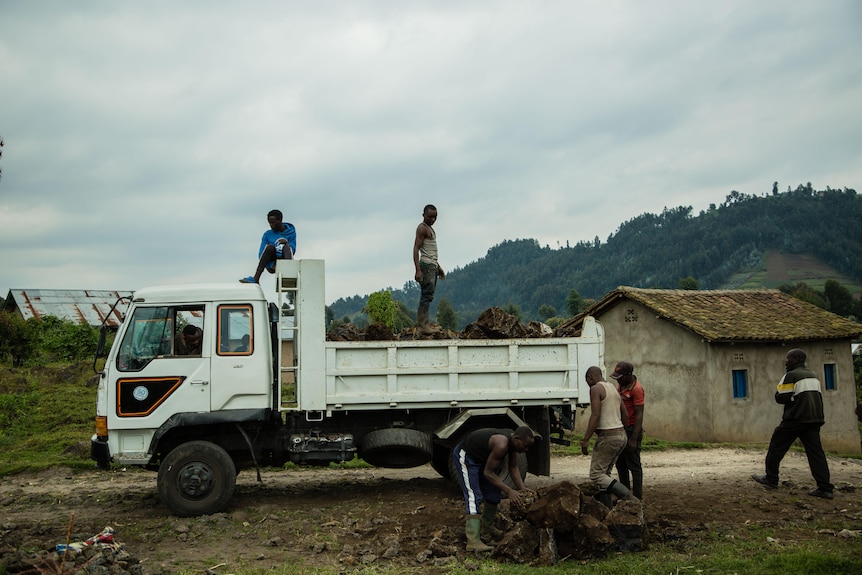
(747, 241)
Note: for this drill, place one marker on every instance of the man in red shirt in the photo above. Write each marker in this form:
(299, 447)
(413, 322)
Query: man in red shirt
(632, 395)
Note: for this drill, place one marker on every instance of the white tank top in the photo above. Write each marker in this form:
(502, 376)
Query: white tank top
(610, 417)
(428, 249)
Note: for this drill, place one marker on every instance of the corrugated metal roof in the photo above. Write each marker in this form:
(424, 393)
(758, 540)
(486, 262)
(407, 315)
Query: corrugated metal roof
(82, 306)
(735, 315)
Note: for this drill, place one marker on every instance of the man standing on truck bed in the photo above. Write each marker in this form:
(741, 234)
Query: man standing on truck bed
(427, 267)
(478, 458)
(277, 243)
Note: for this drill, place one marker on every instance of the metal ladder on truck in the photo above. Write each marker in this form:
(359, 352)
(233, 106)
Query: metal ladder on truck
(287, 282)
(302, 336)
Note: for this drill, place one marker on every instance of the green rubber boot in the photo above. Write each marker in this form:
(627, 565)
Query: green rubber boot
(621, 491)
(489, 512)
(473, 528)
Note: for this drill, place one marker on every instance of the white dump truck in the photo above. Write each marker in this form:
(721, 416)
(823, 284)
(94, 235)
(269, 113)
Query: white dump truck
(205, 380)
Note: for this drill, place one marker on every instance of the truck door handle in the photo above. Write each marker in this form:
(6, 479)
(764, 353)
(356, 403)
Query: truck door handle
(200, 382)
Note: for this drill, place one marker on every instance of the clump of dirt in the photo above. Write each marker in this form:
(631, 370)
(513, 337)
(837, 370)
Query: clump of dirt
(493, 323)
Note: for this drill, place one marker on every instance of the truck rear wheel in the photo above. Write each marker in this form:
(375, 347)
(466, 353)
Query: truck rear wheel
(196, 478)
(397, 448)
(440, 461)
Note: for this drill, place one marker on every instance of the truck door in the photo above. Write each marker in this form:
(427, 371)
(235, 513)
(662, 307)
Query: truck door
(162, 365)
(241, 365)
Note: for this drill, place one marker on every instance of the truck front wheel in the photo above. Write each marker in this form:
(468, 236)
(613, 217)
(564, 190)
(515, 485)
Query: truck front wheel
(196, 478)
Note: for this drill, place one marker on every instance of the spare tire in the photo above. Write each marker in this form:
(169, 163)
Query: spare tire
(396, 447)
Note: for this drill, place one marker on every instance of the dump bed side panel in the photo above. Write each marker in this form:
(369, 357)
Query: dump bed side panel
(468, 373)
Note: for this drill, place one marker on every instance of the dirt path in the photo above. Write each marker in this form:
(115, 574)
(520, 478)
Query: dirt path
(352, 516)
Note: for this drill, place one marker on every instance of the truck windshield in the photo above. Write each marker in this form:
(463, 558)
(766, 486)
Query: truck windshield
(149, 335)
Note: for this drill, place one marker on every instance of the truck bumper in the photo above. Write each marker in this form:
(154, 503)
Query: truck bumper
(100, 452)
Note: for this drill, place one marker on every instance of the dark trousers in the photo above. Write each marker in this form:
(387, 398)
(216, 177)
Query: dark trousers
(428, 284)
(629, 462)
(474, 486)
(809, 434)
(268, 257)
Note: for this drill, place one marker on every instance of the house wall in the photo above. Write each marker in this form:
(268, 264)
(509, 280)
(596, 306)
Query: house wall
(688, 381)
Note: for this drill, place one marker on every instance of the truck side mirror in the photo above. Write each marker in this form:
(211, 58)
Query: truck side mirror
(100, 347)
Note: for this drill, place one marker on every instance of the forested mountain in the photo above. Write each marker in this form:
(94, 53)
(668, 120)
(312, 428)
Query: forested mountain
(655, 250)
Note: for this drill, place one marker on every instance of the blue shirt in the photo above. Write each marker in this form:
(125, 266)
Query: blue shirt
(270, 237)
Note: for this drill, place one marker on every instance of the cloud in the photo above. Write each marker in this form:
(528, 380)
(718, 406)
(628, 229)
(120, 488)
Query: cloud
(147, 142)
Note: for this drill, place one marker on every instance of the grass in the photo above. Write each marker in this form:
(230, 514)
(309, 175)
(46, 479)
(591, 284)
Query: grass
(47, 416)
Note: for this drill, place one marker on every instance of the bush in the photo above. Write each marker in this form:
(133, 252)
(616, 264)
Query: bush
(17, 339)
(67, 341)
(42, 341)
(381, 309)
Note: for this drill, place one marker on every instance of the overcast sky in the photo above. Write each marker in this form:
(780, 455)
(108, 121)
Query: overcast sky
(146, 141)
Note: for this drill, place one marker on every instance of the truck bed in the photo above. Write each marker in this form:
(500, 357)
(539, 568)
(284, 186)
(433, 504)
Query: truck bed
(459, 373)
(368, 375)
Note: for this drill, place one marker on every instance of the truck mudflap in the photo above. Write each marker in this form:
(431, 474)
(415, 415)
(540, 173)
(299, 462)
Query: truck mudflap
(100, 452)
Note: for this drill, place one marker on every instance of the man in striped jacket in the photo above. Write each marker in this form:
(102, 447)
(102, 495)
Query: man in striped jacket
(799, 392)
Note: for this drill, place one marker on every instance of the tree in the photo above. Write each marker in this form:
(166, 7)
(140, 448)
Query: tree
(807, 294)
(381, 309)
(574, 303)
(446, 316)
(513, 309)
(17, 339)
(840, 299)
(546, 311)
(402, 317)
(688, 283)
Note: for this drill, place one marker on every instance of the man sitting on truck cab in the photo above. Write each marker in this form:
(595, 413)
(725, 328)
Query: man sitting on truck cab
(277, 243)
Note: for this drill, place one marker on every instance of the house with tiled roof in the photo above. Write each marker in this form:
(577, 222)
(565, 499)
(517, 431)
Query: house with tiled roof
(709, 361)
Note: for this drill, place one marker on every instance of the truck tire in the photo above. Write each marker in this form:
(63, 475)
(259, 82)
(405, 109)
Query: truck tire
(440, 458)
(503, 475)
(196, 478)
(396, 448)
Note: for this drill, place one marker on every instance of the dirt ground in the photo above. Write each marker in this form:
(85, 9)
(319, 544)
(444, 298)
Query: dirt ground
(354, 517)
